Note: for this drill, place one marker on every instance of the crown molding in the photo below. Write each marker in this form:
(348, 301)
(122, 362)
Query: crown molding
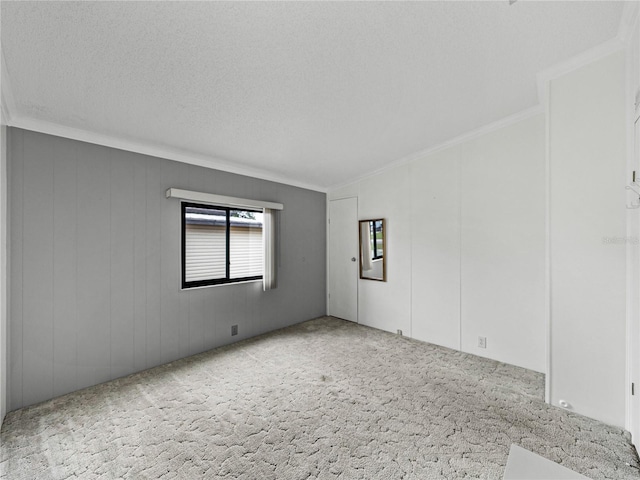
(154, 150)
(9, 116)
(628, 19)
(603, 50)
(465, 137)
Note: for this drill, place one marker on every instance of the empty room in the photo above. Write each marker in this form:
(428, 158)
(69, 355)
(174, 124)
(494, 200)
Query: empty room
(320, 240)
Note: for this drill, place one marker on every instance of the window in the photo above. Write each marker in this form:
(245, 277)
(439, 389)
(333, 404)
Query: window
(220, 245)
(376, 239)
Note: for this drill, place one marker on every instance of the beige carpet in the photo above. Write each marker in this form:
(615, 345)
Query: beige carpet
(323, 399)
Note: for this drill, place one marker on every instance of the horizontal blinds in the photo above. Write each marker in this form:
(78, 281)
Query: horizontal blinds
(205, 252)
(246, 252)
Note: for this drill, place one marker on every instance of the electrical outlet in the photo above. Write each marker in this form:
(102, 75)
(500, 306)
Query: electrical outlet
(400, 332)
(482, 342)
(234, 330)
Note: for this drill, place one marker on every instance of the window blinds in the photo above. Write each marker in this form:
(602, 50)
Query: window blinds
(269, 229)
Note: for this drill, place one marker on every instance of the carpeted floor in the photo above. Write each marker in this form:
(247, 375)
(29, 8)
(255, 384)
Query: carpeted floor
(323, 399)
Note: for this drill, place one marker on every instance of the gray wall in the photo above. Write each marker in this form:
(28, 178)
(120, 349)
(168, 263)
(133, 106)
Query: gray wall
(95, 265)
(4, 344)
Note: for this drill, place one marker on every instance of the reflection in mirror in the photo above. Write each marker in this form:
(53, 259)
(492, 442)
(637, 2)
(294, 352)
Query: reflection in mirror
(372, 250)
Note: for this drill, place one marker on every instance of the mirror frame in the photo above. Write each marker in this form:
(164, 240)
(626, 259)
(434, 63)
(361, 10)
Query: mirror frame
(384, 249)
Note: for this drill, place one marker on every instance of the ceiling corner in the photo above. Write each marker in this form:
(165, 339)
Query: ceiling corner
(600, 51)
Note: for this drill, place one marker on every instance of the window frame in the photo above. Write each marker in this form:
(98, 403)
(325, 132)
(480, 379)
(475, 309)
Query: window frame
(214, 281)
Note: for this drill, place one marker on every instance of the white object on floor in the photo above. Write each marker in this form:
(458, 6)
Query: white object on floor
(523, 464)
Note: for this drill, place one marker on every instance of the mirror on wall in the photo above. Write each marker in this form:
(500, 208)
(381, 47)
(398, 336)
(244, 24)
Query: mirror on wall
(373, 255)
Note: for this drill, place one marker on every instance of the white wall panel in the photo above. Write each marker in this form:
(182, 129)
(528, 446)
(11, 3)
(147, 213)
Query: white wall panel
(501, 260)
(387, 305)
(587, 238)
(503, 244)
(465, 245)
(435, 246)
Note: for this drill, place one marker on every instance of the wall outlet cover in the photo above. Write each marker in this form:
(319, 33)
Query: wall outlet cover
(234, 330)
(482, 342)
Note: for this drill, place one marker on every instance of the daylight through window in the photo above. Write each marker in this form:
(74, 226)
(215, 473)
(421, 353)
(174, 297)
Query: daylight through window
(375, 234)
(220, 245)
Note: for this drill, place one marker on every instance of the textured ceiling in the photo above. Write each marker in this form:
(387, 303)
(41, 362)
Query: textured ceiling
(316, 93)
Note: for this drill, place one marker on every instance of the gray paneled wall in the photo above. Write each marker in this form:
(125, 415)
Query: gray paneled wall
(95, 265)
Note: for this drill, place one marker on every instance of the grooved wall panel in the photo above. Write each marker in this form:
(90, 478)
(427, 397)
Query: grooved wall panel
(153, 266)
(122, 221)
(170, 238)
(4, 267)
(139, 208)
(37, 326)
(502, 225)
(15, 172)
(95, 265)
(465, 239)
(588, 236)
(435, 248)
(65, 211)
(196, 316)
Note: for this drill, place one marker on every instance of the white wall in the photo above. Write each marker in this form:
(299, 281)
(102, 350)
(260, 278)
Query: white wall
(503, 238)
(386, 305)
(471, 242)
(587, 155)
(633, 232)
(386, 197)
(465, 229)
(435, 272)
